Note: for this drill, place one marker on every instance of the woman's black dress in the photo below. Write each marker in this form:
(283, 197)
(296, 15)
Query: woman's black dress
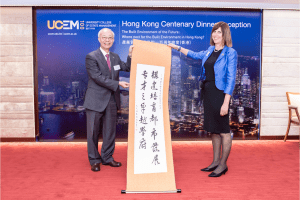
(213, 100)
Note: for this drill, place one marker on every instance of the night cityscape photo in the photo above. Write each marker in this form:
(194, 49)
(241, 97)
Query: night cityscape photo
(62, 82)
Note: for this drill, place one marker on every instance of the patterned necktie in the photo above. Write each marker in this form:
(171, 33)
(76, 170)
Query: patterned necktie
(108, 62)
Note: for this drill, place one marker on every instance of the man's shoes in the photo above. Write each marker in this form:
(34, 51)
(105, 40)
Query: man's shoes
(113, 164)
(213, 174)
(95, 167)
(206, 169)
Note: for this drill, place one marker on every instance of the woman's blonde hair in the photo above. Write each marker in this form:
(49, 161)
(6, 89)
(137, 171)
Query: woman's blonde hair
(226, 34)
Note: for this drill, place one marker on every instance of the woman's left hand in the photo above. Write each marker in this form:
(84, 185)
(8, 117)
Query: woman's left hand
(224, 109)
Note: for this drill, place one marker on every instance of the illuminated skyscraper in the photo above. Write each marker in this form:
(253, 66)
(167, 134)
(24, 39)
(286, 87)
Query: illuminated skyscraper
(241, 114)
(75, 89)
(246, 87)
(175, 88)
(45, 81)
(47, 97)
(124, 100)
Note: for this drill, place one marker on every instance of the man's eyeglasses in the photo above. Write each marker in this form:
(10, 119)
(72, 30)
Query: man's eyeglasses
(107, 38)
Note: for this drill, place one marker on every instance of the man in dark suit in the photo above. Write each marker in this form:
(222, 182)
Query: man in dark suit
(102, 99)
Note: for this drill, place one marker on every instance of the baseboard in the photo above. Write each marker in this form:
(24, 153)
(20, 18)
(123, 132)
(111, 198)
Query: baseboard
(17, 140)
(291, 137)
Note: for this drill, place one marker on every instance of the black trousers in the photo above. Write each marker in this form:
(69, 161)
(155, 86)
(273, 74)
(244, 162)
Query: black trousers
(107, 119)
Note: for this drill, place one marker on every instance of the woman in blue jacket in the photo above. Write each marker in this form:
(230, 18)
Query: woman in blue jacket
(219, 63)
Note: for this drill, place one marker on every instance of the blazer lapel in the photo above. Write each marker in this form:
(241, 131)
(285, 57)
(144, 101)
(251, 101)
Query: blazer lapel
(209, 51)
(222, 55)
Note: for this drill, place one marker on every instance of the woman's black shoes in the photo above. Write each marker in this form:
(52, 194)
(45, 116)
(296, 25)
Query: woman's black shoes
(209, 169)
(213, 174)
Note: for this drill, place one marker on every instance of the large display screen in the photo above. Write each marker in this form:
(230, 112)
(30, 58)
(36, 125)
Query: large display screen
(65, 37)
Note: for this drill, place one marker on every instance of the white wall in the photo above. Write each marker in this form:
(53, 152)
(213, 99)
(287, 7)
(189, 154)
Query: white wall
(280, 69)
(16, 73)
(253, 4)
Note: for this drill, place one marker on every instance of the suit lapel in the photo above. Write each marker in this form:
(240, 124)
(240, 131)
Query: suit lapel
(112, 64)
(101, 59)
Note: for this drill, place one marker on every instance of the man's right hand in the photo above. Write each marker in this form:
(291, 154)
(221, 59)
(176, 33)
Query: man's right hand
(130, 51)
(124, 84)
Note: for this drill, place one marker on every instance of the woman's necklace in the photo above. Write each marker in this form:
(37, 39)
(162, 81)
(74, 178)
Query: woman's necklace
(217, 50)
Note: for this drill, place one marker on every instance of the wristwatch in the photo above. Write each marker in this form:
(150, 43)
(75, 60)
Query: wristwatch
(178, 48)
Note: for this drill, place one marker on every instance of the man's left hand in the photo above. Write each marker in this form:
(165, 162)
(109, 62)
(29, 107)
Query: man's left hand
(124, 84)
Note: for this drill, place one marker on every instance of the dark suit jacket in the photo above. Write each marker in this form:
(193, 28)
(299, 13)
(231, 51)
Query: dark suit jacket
(101, 82)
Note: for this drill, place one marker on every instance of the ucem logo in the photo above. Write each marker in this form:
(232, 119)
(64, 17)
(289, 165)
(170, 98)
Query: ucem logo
(65, 24)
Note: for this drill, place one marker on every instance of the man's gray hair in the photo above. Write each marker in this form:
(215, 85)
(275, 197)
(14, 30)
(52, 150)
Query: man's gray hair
(105, 29)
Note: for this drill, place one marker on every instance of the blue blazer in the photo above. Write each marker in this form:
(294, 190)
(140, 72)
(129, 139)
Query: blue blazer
(224, 68)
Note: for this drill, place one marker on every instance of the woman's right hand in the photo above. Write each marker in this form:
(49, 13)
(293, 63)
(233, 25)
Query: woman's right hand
(173, 46)
(176, 47)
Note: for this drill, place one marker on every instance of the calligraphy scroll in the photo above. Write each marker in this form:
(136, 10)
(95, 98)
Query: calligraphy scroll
(149, 136)
(150, 161)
